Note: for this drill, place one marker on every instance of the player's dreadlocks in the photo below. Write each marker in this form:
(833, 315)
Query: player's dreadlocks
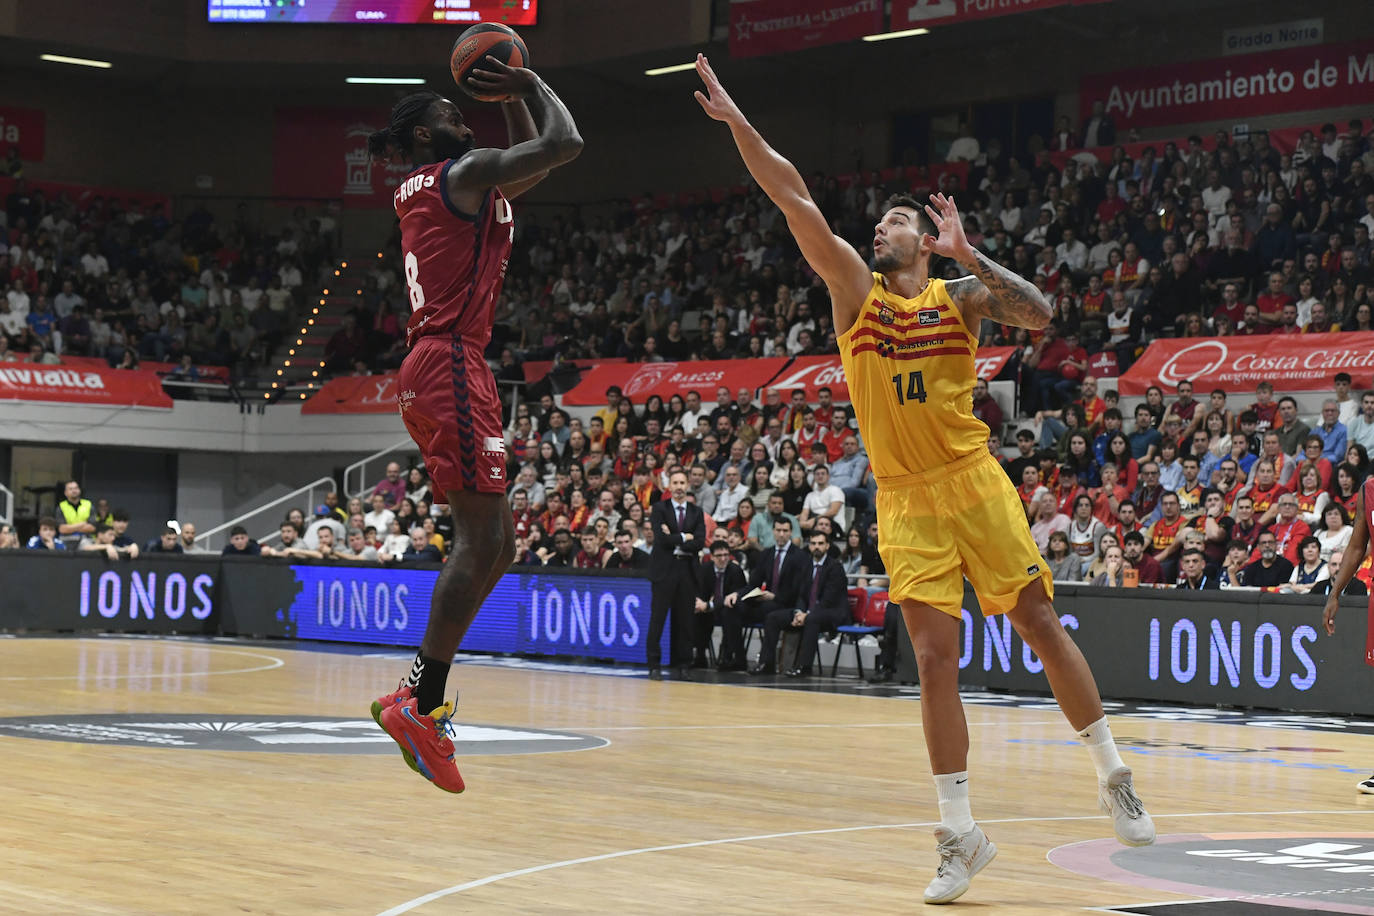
(398, 136)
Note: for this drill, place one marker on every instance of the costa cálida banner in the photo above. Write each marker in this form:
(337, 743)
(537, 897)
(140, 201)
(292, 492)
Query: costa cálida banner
(1290, 362)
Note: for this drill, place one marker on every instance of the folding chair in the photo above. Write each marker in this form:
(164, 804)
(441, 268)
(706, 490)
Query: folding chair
(859, 603)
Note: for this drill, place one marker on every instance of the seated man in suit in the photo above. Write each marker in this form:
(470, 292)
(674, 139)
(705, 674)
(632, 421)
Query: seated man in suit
(779, 576)
(823, 605)
(719, 577)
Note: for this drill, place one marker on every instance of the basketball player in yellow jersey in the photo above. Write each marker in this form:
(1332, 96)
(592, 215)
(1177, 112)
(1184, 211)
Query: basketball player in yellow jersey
(946, 510)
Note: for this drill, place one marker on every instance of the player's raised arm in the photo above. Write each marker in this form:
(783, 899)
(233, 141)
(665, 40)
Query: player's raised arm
(557, 142)
(520, 129)
(830, 256)
(993, 291)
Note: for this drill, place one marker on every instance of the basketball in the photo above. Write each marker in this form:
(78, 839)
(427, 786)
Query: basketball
(489, 39)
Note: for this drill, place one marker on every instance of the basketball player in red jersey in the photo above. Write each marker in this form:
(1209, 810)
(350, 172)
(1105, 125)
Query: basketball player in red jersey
(1355, 553)
(456, 234)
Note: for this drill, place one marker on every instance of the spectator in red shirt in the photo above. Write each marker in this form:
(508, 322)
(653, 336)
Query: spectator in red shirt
(1111, 204)
(1288, 529)
(521, 513)
(986, 408)
(1093, 406)
(835, 434)
(1107, 498)
(1042, 369)
(1271, 302)
(1147, 566)
(593, 552)
(1230, 304)
(1251, 326)
(392, 487)
(1068, 490)
(810, 433)
(1265, 408)
(1186, 409)
(1289, 324)
(825, 405)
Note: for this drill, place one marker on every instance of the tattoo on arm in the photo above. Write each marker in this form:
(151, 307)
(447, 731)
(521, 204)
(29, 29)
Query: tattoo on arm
(1005, 296)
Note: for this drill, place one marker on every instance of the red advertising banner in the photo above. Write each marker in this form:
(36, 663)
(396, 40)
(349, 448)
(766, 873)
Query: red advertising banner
(920, 14)
(811, 373)
(355, 394)
(1290, 362)
(639, 380)
(760, 27)
(536, 369)
(322, 152)
(24, 128)
(82, 385)
(1231, 88)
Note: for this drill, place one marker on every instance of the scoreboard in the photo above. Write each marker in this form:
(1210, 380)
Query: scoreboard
(382, 12)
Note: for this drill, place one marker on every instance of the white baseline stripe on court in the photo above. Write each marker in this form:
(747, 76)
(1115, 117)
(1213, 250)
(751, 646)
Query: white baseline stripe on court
(567, 863)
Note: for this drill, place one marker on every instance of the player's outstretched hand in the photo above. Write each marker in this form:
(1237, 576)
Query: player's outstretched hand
(951, 242)
(716, 101)
(495, 78)
(1333, 604)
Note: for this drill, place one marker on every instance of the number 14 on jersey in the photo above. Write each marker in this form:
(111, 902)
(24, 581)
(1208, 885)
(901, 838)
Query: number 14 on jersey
(915, 387)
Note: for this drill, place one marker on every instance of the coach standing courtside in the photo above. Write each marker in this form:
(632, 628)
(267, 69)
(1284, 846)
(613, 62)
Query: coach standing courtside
(679, 532)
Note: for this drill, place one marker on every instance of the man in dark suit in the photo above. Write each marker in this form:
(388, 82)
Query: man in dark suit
(779, 575)
(720, 577)
(679, 532)
(823, 605)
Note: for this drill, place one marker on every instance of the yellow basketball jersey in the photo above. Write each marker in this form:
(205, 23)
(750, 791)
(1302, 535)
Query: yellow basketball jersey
(909, 364)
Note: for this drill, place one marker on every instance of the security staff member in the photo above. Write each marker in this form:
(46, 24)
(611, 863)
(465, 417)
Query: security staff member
(76, 513)
(720, 577)
(679, 532)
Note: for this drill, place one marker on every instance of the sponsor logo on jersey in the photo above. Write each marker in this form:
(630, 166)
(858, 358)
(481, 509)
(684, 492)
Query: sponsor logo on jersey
(405, 399)
(928, 317)
(1033, 570)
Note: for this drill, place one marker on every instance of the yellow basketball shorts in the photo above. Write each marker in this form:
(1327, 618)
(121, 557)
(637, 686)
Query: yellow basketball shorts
(960, 521)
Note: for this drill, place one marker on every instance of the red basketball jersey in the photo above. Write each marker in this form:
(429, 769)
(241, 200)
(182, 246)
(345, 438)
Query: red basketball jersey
(454, 262)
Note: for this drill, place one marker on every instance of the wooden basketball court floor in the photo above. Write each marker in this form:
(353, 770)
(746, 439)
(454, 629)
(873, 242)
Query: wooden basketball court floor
(708, 798)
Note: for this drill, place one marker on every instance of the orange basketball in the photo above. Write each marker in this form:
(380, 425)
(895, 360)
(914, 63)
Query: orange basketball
(489, 39)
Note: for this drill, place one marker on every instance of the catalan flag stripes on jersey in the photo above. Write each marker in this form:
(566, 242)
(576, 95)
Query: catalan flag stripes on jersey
(909, 364)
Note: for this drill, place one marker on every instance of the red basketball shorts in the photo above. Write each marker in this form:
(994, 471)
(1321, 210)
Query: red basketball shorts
(451, 408)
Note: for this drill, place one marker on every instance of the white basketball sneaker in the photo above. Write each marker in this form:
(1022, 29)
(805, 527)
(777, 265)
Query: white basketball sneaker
(961, 857)
(1117, 797)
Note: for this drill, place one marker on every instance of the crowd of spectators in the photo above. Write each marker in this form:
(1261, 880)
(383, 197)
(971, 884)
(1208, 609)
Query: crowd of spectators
(1196, 494)
(579, 490)
(124, 282)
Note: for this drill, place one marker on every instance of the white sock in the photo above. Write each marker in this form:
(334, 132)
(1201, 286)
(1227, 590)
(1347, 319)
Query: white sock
(1102, 747)
(951, 789)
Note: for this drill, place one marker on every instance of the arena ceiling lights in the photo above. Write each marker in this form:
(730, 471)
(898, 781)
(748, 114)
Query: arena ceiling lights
(385, 80)
(675, 68)
(78, 61)
(905, 33)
